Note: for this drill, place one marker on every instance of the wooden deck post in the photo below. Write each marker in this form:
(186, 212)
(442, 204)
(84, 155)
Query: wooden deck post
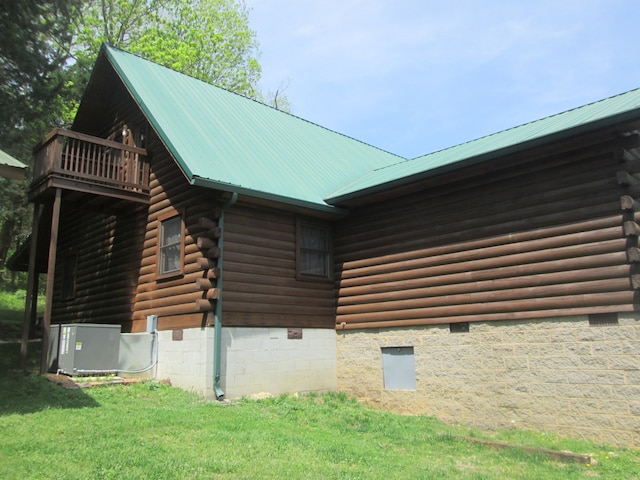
(51, 270)
(32, 288)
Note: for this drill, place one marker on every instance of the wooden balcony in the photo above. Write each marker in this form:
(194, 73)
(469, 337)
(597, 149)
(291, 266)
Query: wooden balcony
(82, 163)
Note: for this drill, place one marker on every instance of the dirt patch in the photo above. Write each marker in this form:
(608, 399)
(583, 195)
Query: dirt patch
(86, 382)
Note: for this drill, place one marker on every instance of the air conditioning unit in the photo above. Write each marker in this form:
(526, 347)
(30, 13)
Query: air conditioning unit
(84, 348)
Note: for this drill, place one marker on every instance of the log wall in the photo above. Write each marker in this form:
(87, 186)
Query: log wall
(107, 248)
(106, 239)
(179, 301)
(553, 235)
(260, 285)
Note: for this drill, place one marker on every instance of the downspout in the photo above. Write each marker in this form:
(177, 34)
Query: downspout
(217, 325)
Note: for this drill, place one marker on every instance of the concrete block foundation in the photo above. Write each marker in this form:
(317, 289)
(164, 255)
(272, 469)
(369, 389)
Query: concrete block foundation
(253, 360)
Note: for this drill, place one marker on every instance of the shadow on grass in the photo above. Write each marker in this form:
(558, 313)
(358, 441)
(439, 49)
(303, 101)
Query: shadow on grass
(25, 392)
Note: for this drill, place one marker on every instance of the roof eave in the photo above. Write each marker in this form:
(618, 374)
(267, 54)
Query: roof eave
(162, 135)
(12, 172)
(295, 202)
(515, 148)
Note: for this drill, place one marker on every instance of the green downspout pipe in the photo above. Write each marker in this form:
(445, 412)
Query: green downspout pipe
(217, 325)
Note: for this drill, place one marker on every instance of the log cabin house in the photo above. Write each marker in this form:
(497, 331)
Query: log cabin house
(493, 283)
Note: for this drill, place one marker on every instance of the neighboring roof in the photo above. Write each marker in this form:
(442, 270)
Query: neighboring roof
(607, 112)
(12, 168)
(226, 141)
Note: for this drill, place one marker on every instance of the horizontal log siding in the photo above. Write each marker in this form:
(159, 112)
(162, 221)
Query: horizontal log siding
(540, 240)
(108, 244)
(173, 299)
(108, 258)
(260, 286)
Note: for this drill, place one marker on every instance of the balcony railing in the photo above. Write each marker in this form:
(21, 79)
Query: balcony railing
(76, 158)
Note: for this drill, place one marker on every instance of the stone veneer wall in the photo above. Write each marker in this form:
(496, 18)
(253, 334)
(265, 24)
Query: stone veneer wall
(557, 375)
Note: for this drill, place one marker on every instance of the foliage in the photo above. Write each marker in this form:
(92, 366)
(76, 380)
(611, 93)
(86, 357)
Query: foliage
(151, 430)
(33, 93)
(207, 39)
(47, 51)
(33, 52)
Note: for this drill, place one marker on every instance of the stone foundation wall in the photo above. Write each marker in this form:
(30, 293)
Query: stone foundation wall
(559, 375)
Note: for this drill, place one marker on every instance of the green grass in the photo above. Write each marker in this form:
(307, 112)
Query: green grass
(151, 430)
(12, 306)
(12, 313)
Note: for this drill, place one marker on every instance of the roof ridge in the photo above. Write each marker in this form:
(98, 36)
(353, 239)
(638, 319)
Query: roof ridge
(401, 158)
(526, 124)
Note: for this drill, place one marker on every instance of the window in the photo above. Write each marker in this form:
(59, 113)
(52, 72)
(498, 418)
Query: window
(170, 246)
(314, 259)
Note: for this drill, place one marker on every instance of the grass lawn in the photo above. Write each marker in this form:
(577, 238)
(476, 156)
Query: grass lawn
(153, 431)
(12, 313)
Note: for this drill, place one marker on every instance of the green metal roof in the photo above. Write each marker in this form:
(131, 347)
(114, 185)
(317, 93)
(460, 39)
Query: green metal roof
(11, 168)
(226, 141)
(607, 112)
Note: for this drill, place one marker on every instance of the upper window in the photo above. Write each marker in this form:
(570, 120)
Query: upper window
(171, 246)
(314, 253)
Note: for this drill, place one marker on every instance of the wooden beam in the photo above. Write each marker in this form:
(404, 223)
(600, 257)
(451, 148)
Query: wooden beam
(204, 284)
(213, 294)
(207, 223)
(441, 286)
(437, 256)
(475, 261)
(32, 281)
(205, 243)
(625, 178)
(629, 203)
(206, 263)
(631, 228)
(213, 273)
(494, 308)
(623, 155)
(204, 305)
(51, 271)
(484, 299)
(635, 281)
(633, 255)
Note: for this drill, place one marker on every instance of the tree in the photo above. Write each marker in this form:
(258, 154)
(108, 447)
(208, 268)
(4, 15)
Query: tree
(207, 39)
(48, 48)
(34, 49)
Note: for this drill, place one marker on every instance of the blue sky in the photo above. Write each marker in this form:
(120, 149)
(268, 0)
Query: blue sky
(413, 77)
